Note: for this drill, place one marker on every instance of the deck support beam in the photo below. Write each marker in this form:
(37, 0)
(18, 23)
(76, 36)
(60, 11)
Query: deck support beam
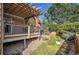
(24, 43)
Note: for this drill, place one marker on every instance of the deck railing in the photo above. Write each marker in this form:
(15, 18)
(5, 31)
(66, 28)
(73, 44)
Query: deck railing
(21, 30)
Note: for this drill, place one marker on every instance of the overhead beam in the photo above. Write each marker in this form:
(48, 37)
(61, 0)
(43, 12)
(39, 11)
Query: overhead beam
(18, 9)
(14, 16)
(22, 10)
(11, 8)
(6, 6)
(26, 11)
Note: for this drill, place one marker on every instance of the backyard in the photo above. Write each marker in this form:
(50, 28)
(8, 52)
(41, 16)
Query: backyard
(50, 29)
(50, 47)
(62, 19)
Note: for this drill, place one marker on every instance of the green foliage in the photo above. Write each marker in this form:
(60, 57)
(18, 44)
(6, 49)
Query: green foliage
(66, 26)
(63, 17)
(60, 12)
(51, 26)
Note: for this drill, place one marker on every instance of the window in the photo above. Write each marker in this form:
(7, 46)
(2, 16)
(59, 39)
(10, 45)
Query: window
(7, 29)
(7, 24)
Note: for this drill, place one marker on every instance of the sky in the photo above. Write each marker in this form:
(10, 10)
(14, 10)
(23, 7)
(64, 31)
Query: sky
(43, 8)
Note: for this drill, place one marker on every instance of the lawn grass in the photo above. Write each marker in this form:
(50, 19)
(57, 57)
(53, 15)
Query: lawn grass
(48, 48)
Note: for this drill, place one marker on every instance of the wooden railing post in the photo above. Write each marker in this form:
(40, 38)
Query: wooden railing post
(29, 31)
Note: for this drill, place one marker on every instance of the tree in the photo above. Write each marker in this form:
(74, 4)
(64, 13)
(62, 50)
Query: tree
(63, 17)
(60, 13)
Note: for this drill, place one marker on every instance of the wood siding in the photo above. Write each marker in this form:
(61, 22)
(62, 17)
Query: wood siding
(0, 21)
(1, 29)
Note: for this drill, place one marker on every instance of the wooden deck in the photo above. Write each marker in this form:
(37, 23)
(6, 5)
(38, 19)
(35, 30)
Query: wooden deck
(16, 37)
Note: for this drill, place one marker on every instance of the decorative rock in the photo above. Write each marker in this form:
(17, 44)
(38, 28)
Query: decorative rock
(58, 43)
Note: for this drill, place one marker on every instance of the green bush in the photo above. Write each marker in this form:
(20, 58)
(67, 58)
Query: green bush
(66, 26)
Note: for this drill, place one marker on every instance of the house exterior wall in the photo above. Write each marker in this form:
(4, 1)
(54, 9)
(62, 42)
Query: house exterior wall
(16, 26)
(0, 28)
(19, 26)
(26, 22)
(17, 21)
(0, 20)
(30, 21)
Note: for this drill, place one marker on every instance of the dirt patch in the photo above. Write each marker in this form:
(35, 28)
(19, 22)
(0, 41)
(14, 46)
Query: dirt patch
(17, 47)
